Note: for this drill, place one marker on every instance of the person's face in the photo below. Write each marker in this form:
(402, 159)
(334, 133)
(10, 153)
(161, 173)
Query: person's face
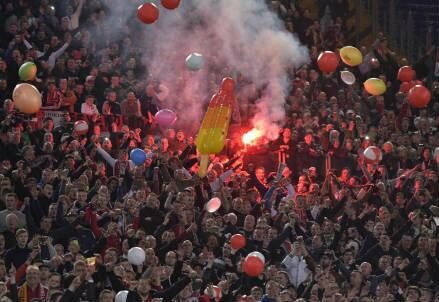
(308, 139)
(131, 96)
(10, 203)
(260, 174)
(5, 184)
(412, 295)
(33, 276)
(378, 230)
(282, 278)
(143, 287)
(150, 140)
(356, 278)
(112, 96)
(272, 289)
(164, 144)
(97, 130)
(74, 247)
(89, 100)
(110, 257)
(150, 242)
(54, 41)
(365, 269)
(115, 81)
(44, 273)
(170, 134)
(82, 196)
(249, 222)
(150, 91)
(48, 190)
(46, 224)
(256, 293)
(180, 136)
(171, 258)
(384, 214)
(384, 263)
(106, 297)
(426, 296)
(3, 84)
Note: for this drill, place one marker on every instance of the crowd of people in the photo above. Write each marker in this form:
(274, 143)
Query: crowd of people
(331, 226)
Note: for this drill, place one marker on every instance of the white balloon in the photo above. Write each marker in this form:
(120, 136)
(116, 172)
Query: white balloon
(121, 296)
(257, 254)
(213, 205)
(347, 77)
(136, 256)
(194, 61)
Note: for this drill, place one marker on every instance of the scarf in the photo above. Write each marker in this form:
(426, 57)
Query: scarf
(23, 293)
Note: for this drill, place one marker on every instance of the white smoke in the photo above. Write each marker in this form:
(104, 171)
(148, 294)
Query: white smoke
(234, 36)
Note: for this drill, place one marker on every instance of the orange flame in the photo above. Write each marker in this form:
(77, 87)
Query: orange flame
(252, 136)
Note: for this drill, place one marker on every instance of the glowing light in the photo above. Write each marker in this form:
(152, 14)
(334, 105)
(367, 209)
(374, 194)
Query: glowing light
(251, 137)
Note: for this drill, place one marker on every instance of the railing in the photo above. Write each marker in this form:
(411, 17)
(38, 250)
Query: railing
(411, 26)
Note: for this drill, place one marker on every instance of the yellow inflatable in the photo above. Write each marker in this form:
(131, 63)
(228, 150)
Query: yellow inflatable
(351, 56)
(375, 86)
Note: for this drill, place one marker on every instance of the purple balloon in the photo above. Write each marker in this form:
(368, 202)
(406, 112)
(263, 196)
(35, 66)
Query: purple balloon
(165, 117)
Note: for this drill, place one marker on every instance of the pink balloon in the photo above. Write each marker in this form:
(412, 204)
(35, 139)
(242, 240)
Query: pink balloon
(165, 117)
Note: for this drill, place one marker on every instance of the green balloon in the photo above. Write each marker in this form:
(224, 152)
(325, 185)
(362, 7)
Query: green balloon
(27, 71)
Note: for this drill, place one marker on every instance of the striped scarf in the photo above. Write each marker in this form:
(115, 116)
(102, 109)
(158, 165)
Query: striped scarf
(23, 293)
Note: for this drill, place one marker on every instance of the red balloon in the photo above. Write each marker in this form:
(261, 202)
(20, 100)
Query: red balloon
(419, 96)
(406, 74)
(237, 241)
(406, 86)
(170, 4)
(328, 61)
(253, 266)
(148, 13)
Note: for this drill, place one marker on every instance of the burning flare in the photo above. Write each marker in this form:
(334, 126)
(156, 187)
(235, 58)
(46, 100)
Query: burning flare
(251, 137)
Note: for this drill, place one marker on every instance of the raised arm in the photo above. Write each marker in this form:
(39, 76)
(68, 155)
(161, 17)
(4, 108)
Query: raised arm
(74, 18)
(108, 158)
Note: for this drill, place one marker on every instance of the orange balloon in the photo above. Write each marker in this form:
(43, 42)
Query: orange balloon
(406, 74)
(419, 96)
(237, 241)
(253, 266)
(328, 61)
(148, 13)
(170, 4)
(406, 86)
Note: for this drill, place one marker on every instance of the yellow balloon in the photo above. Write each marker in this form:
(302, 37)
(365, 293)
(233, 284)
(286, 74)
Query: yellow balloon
(375, 86)
(351, 56)
(27, 98)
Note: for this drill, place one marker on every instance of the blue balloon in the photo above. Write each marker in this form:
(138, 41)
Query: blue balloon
(194, 61)
(138, 156)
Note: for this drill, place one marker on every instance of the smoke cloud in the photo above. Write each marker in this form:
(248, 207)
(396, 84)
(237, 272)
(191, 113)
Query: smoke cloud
(234, 36)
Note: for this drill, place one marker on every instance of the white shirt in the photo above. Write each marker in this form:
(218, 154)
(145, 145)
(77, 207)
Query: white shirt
(87, 109)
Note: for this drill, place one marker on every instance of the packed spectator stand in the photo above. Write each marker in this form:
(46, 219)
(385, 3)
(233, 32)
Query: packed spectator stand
(329, 225)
